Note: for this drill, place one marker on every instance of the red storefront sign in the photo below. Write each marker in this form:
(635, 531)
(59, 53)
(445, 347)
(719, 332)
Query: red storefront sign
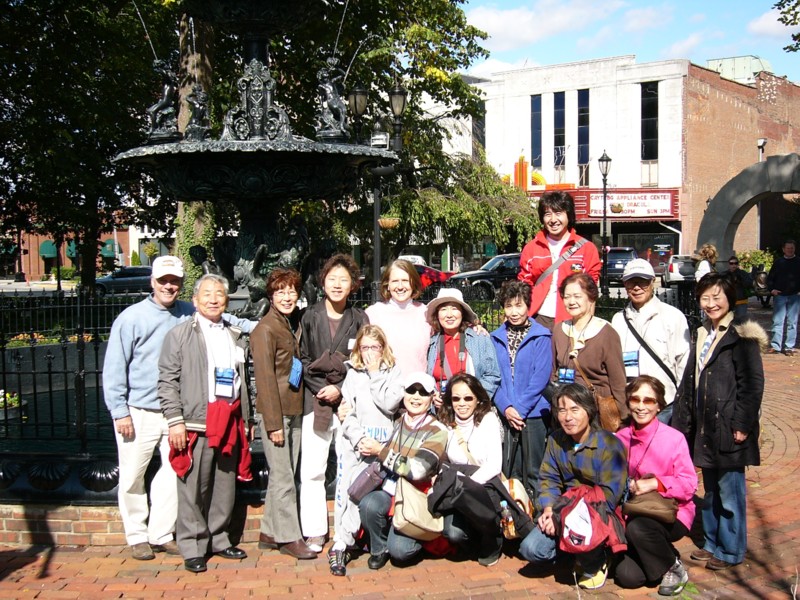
(633, 204)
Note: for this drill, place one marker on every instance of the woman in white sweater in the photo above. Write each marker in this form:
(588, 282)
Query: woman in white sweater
(475, 437)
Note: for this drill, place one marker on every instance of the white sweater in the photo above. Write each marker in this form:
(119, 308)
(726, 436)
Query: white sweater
(485, 444)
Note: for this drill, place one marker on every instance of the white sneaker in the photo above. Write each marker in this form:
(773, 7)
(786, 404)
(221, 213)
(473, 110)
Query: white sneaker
(674, 580)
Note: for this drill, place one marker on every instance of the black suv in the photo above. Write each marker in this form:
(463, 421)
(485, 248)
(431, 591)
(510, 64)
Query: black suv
(617, 259)
(484, 282)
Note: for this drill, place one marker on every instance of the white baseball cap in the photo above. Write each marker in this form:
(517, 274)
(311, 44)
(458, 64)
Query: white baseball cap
(638, 267)
(425, 380)
(167, 265)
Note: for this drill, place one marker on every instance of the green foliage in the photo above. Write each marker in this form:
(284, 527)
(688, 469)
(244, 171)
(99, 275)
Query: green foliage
(150, 250)
(753, 258)
(195, 225)
(790, 16)
(75, 81)
(67, 273)
(135, 260)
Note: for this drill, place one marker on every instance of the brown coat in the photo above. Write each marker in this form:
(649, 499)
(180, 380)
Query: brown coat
(273, 346)
(601, 360)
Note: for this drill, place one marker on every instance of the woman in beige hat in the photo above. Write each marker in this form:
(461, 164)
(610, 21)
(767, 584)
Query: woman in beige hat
(455, 346)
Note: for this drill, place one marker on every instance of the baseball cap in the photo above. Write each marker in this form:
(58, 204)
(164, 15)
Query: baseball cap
(638, 267)
(167, 265)
(425, 380)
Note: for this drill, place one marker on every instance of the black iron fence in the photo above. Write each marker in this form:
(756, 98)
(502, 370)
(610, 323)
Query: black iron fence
(52, 349)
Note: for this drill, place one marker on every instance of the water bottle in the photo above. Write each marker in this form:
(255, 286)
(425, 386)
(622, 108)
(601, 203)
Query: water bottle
(507, 521)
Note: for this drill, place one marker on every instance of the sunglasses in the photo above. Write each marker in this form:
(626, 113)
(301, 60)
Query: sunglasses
(732, 262)
(468, 399)
(417, 389)
(647, 401)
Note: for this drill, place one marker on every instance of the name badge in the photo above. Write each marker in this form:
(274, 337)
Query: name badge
(631, 360)
(223, 383)
(566, 375)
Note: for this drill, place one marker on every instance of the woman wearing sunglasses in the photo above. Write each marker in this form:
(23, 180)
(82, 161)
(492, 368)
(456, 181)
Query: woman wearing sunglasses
(658, 461)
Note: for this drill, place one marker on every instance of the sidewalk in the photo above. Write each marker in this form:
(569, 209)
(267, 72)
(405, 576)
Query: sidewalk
(770, 570)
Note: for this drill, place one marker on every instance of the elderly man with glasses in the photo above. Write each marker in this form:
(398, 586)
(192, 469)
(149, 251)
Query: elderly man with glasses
(655, 336)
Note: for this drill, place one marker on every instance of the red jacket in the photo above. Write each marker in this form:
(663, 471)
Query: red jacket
(535, 259)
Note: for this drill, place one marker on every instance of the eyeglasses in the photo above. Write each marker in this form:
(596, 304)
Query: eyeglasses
(376, 348)
(417, 389)
(468, 399)
(638, 282)
(733, 262)
(290, 293)
(647, 401)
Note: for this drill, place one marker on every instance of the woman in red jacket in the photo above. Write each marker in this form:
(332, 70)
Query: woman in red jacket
(557, 240)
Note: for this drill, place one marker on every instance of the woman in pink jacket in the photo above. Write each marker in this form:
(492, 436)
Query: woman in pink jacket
(658, 460)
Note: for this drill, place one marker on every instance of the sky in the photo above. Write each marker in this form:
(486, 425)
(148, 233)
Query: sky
(549, 32)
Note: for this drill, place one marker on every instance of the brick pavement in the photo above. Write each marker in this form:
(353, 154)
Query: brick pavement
(770, 570)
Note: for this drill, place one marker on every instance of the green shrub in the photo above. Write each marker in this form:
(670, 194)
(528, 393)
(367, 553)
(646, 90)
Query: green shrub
(135, 260)
(67, 273)
(750, 258)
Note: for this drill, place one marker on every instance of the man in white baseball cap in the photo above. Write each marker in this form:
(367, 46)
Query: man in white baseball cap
(654, 335)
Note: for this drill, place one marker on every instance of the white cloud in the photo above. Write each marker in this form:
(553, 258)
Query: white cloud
(697, 18)
(767, 25)
(640, 19)
(685, 47)
(518, 27)
(601, 38)
(492, 65)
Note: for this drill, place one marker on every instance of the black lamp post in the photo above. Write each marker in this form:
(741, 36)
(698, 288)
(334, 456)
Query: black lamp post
(397, 101)
(357, 100)
(605, 166)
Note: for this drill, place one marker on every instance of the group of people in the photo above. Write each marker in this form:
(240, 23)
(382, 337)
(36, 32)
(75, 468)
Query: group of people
(422, 402)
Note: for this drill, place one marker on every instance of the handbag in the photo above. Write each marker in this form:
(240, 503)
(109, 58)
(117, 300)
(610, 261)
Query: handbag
(610, 419)
(296, 373)
(516, 488)
(369, 480)
(652, 505)
(411, 515)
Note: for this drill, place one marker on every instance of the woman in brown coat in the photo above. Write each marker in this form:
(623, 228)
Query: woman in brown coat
(587, 343)
(280, 403)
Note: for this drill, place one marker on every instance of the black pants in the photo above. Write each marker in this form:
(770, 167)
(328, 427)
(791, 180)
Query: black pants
(523, 457)
(650, 551)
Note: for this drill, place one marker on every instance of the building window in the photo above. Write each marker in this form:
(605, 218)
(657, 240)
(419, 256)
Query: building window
(536, 131)
(649, 173)
(559, 129)
(650, 120)
(583, 137)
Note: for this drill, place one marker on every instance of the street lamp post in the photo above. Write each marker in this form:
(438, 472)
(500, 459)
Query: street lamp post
(605, 165)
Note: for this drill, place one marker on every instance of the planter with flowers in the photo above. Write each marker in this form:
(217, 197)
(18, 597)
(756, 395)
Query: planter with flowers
(12, 407)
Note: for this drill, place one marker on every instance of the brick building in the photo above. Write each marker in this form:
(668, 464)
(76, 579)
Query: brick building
(675, 131)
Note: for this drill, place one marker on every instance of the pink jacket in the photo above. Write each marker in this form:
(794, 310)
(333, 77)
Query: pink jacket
(661, 450)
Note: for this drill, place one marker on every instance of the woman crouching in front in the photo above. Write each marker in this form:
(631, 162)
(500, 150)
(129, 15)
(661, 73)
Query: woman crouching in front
(579, 453)
(413, 452)
(475, 438)
(658, 461)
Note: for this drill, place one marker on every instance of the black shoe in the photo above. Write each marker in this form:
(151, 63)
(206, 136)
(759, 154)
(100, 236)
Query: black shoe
(337, 560)
(232, 553)
(378, 561)
(195, 565)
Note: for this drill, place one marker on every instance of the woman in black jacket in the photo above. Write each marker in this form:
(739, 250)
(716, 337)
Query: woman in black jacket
(328, 334)
(720, 414)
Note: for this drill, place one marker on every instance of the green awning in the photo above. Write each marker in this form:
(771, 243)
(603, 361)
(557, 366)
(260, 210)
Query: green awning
(107, 251)
(47, 249)
(72, 249)
(8, 249)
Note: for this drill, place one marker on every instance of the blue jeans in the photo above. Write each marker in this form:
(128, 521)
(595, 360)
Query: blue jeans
(665, 416)
(541, 549)
(374, 509)
(786, 310)
(725, 514)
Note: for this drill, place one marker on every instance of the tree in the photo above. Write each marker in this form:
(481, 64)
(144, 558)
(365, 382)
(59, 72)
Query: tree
(790, 16)
(73, 76)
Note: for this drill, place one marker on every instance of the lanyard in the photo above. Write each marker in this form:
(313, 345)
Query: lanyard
(462, 357)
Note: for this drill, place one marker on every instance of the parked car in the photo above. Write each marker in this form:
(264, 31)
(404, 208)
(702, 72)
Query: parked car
(680, 267)
(429, 275)
(126, 279)
(414, 259)
(618, 257)
(484, 282)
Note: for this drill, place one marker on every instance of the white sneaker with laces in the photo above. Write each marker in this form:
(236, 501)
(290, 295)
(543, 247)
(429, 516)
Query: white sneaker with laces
(674, 580)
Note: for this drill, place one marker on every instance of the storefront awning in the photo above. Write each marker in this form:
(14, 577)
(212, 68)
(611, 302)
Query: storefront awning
(8, 249)
(47, 249)
(72, 249)
(107, 251)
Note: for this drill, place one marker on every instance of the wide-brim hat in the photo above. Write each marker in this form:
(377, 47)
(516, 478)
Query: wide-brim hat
(448, 296)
